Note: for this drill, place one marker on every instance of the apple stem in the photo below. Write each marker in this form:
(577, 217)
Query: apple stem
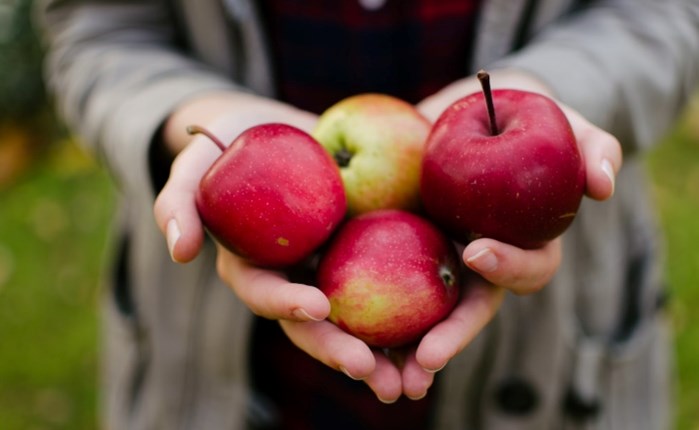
(484, 79)
(195, 129)
(343, 157)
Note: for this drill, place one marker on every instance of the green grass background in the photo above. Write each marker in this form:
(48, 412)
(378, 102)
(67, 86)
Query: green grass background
(54, 235)
(674, 167)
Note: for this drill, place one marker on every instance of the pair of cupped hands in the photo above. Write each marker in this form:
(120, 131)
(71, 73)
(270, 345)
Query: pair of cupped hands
(302, 309)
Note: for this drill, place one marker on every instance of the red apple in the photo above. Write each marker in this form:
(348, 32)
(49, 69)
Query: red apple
(378, 142)
(518, 178)
(390, 276)
(273, 196)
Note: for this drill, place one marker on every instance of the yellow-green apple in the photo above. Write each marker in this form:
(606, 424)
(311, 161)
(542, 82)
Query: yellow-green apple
(517, 176)
(390, 276)
(273, 196)
(377, 141)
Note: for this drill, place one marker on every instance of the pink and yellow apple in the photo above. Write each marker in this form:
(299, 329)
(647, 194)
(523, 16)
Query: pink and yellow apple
(389, 276)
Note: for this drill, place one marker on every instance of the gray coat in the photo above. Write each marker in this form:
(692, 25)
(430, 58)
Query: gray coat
(176, 338)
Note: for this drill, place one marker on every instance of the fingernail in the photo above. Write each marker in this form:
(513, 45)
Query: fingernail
(346, 372)
(386, 402)
(172, 236)
(301, 314)
(434, 370)
(483, 261)
(418, 397)
(609, 171)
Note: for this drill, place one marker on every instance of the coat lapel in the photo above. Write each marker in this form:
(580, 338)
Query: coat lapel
(496, 30)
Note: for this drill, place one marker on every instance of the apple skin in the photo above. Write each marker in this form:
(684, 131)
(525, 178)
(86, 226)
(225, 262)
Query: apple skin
(273, 196)
(522, 186)
(378, 142)
(390, 276)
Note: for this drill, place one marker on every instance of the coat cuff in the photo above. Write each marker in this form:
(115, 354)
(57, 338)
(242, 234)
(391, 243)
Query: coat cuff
(129, 137)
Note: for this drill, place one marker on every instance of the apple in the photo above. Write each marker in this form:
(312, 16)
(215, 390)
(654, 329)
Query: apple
(377, 141)
(390, 276)
(273, 196)
(518, 177)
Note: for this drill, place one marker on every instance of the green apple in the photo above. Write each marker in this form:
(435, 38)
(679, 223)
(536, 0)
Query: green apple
(378, 142)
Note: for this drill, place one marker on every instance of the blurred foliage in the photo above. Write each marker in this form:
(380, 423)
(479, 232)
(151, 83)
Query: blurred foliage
(54, 240)
(55, 206)
(28, 124)
(674, 168)
(22, 92)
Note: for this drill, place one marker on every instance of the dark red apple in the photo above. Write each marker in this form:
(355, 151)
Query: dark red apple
(390, 276)
(273, 196)
(505, 167)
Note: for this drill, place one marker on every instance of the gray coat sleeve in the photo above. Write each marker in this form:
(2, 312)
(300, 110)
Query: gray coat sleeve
(629, 66)
(117, 73)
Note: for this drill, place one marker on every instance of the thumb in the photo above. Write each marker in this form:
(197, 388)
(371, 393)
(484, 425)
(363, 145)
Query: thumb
(175, 207)
(601, 153)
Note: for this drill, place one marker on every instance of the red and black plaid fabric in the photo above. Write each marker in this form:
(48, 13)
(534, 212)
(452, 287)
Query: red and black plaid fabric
(324, 51)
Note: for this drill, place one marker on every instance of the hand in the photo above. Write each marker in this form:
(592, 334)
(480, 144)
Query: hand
(407, 372)
(266, 293)
(501, 266)
(226, 115)
(301, 309)
(411, 371)
(601, 152)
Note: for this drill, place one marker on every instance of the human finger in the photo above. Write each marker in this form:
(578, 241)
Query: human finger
(333, 347)
(476, 307)
(601, 154)
(385, 380)
(268, 293)
(522, 271)
(341, 351)
(416, 380)
(175, 208)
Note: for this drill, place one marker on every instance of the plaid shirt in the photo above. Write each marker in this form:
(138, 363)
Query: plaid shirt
(324, 51)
